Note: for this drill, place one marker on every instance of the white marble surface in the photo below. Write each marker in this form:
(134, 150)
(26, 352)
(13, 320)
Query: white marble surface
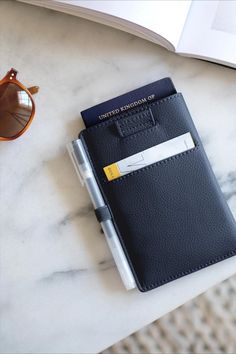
(60, 291)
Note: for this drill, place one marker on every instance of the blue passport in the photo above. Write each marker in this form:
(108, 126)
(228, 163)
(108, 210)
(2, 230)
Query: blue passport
(105, 110)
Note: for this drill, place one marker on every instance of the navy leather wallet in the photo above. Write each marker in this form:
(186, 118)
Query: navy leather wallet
(171, 216)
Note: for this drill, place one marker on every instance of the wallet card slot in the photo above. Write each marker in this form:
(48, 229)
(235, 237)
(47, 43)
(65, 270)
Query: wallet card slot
(161, 162)
(166, 218)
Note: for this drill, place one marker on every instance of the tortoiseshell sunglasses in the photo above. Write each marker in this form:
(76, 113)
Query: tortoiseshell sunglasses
(17, 106)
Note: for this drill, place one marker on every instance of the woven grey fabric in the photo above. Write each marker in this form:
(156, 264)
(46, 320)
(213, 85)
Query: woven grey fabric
(206, 324)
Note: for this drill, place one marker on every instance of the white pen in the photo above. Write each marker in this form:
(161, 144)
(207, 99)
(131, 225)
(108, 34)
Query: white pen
(86, 176)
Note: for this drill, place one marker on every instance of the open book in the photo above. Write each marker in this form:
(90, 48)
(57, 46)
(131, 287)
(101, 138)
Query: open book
(200, 29)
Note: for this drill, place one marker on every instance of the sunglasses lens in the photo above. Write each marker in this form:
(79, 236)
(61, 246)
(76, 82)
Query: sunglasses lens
(15, 109)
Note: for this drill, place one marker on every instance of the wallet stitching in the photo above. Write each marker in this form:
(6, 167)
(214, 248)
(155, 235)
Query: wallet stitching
(124, 126)
(137, 110)
(191, 270)
(137, 126)
(146, 132)
(138, 116)
(162, 162)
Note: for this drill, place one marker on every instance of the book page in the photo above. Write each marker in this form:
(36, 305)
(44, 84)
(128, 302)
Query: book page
(225, 17)
(210, 32)
(147, 19)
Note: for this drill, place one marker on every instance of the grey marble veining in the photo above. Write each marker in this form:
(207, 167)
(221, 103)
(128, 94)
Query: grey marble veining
(60, 291)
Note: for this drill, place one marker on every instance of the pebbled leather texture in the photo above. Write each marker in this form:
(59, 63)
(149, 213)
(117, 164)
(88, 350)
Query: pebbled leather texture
(171, 217)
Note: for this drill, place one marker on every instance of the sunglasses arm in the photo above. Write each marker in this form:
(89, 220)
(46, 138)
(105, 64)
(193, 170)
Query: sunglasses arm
(33, 89)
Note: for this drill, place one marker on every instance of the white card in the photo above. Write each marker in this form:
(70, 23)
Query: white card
(147, 157)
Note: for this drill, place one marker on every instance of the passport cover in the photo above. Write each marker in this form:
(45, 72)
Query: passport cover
(171, 216)
(103, 111)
